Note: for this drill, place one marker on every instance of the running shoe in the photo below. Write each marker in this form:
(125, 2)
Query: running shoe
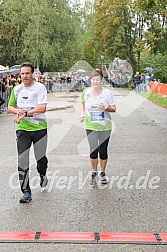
(93, 179)
(26, 197)
(43, 180)
(103, 179)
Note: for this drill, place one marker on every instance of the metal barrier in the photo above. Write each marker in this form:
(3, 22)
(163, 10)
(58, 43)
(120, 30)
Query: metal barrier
(53, 86)
(5, 96)
(63, 81)
(50, 85)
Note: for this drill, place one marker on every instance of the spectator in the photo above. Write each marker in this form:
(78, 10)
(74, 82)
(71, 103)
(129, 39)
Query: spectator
(2, 101)
(137, 81)
(147, 82)
(2, 86)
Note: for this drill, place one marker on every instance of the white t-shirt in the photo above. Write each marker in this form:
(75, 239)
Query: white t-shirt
(27, 98)
(95, 119)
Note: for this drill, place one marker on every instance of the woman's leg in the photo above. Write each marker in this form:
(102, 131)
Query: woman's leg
(94, 164)
(93, 145)
(104, 137)
(103, 164)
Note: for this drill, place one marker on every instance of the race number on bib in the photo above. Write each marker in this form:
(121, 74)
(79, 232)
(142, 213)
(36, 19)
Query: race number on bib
(97, 116)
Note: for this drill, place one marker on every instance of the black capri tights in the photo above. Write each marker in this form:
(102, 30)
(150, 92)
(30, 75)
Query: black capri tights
(98, 143)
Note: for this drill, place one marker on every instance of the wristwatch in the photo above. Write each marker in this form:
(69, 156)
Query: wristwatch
(26, 114)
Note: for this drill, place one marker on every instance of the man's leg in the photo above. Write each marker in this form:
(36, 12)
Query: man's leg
(23, 148)
(40, 144)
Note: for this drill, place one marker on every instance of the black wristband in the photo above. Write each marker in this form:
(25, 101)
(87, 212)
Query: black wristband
(26, 113)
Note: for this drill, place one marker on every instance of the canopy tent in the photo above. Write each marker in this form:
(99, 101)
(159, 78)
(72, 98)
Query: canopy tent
(2, 68)
(15, 67)
(80, 71)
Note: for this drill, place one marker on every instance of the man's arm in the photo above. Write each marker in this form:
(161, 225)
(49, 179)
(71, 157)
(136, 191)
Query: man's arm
(14, 110)
(41, 108)
(21, 113)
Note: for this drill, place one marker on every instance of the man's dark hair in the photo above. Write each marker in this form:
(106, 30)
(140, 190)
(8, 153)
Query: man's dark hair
(27, 64)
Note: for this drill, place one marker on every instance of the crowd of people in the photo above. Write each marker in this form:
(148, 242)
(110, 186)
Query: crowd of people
(142, 82)
(55, 81)
(52, 81)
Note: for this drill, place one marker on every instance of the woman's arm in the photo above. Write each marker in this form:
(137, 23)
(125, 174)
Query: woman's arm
(82, 112)
(111, 108)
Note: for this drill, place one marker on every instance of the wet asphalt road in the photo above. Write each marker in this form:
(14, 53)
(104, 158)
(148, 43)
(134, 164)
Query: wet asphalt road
(135, 199)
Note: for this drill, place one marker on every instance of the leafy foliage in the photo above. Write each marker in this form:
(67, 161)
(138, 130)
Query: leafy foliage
(158, 62)
(129, 29)
(44, 32)
(54, 35)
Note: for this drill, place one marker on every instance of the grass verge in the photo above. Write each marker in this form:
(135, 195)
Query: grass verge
(156, 99)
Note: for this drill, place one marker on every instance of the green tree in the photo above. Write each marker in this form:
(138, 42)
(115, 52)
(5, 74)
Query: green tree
(158, 62)
(90, 43)
(44, 32)
(154, 16)
(126, 28)
(115, 29)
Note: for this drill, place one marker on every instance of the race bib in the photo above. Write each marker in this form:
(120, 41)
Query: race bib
(97, 116)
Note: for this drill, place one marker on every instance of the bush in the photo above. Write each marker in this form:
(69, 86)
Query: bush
(158, 62)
